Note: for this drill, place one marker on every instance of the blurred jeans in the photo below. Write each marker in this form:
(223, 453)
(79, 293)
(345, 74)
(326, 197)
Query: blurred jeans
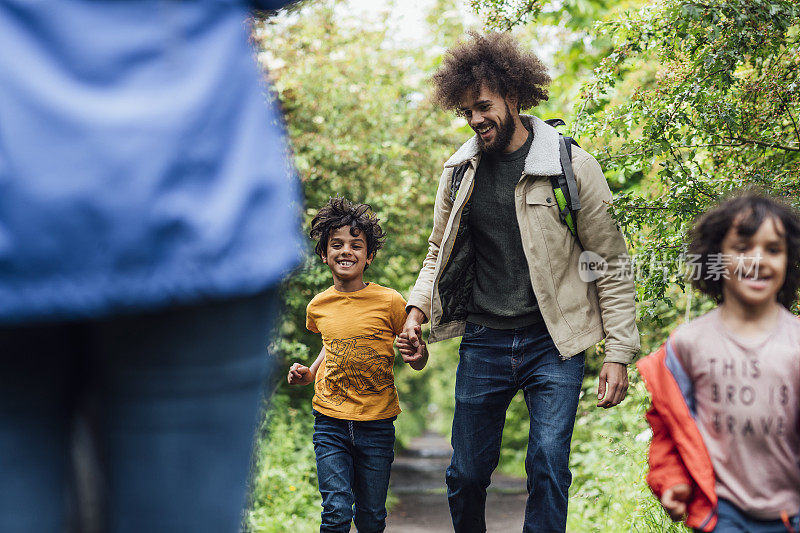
(174, 400)
(732, 520)
(354, 459)
(494, 364)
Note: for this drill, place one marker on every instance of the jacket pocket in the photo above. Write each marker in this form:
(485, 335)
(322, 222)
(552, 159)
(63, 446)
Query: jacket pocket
(541, 200)
(540, 195)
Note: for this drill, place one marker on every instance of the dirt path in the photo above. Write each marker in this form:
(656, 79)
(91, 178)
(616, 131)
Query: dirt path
(418, 482)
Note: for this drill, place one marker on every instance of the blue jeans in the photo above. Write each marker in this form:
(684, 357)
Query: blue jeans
(493, 366)
(354, 460)
(171, 398)
(731, 519)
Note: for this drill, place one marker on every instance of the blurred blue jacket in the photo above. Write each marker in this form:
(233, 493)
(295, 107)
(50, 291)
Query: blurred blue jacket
(140, 163)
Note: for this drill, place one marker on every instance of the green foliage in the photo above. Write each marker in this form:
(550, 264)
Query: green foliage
(609, 462)
(714, 108)
(284, 493)
(576, 15)
(440, 392)
(503, 15)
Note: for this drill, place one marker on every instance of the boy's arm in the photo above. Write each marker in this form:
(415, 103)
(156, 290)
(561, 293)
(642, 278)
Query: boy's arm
(315, 364)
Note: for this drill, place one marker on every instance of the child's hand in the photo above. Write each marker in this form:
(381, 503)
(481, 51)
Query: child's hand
(410, 350)
(413, 353)
(674, 500)
(299, 375)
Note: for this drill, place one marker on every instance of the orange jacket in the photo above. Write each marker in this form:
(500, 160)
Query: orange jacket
(677, 451)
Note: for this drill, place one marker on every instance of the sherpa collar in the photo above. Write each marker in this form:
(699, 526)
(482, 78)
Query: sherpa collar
(542, 159)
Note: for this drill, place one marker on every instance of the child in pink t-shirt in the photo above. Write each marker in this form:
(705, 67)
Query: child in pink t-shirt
(725, 454)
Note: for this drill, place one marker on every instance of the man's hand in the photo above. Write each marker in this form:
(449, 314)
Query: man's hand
(299, 375)
(412, 330)
(410, 348)
(415, 354)
(613, 385)
(674, 500)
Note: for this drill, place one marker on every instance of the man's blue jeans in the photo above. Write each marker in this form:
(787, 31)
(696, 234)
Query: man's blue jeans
(354, 460)
(494, 365)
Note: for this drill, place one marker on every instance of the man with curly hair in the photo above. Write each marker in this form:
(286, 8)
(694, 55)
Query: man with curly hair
(502, 270)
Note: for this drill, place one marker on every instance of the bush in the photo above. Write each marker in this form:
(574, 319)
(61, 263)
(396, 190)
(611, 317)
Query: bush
(284, 485)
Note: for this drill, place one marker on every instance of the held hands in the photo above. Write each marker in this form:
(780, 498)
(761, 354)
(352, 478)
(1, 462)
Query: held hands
(299, 375)
(674, 501)
(409, 342)
(413, 349)
(613, 385)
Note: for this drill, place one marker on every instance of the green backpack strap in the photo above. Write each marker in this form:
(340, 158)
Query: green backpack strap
(565, 188)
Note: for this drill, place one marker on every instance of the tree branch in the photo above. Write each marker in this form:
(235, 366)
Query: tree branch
(646, 207)
(684, 95)
(579, 117)
(678, 159)
(741, 142)
(766, 144)
(789, 112)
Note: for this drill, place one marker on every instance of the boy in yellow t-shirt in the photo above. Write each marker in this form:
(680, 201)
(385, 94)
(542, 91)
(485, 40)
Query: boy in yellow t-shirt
(355, 400)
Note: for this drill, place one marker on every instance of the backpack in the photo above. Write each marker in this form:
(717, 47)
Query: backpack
(565, 188)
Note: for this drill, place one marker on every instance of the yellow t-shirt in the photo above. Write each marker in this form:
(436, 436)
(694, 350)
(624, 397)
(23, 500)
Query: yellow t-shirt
(356, 380)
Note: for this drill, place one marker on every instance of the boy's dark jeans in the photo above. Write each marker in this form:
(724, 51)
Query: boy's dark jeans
(733, 520)
(494, 365)
(353, 464)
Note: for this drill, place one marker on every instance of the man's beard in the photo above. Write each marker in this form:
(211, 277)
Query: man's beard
(502, 137)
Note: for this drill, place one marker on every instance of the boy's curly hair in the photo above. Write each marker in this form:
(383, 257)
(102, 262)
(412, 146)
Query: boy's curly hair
(747, 210)
(340, 212)
(494, 59)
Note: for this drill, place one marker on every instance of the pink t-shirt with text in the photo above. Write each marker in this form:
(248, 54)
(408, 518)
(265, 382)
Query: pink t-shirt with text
(746, 393)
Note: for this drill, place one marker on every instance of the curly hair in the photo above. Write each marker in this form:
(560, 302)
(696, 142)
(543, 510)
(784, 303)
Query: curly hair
(496, 60)
(746, 211)
(340, 212)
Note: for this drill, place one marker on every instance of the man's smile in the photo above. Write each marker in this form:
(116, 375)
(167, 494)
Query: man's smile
(484, 130)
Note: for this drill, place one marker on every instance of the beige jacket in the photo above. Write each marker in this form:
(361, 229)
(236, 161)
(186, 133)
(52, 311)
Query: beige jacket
(577, 313)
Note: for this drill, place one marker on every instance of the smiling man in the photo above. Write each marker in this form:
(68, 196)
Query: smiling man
(502, 270)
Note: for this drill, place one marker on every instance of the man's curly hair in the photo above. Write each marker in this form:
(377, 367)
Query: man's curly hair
(494, 59)
(745, 210)
(339, 212)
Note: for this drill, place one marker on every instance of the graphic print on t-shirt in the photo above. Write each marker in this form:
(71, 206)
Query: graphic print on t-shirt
(735, 386)
(352, 365)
